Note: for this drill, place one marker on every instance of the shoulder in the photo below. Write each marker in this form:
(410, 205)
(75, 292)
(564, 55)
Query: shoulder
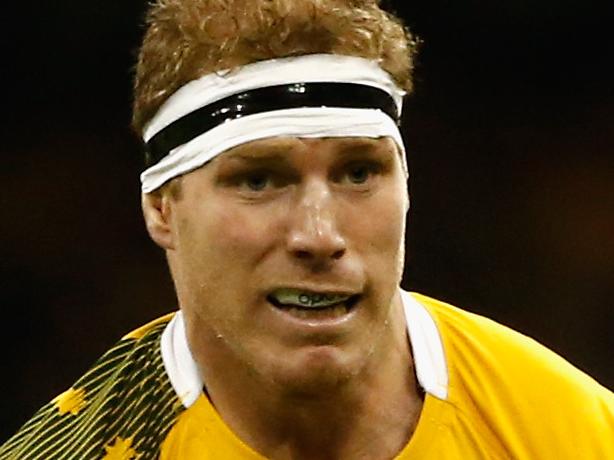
(154, 327)
(517, 388)
(476, 342)
(123, 402)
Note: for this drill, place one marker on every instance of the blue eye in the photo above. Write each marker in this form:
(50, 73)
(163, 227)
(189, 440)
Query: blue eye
(359, 174)
(257, 181)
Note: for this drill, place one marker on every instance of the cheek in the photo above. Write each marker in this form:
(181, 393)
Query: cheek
(379, 227)
(222, 245)
(239, 232)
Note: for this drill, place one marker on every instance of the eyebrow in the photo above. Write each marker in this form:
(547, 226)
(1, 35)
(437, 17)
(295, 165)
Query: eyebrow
(356, 147)
(263, 152)
(259, 152)
(360, 142)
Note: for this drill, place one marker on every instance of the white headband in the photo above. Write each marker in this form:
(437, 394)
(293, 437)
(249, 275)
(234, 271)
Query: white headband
(306, 122)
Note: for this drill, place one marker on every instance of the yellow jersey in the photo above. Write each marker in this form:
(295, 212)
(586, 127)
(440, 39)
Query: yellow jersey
(505, 397)
(490, 393)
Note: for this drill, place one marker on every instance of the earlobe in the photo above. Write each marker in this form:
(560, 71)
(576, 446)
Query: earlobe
(157, 214)
(406, 199)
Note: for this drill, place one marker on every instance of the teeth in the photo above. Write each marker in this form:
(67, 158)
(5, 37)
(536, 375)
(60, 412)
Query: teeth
(306, 299)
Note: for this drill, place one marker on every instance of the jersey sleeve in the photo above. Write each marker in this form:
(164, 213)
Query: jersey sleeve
(122, 408)
(518, 397)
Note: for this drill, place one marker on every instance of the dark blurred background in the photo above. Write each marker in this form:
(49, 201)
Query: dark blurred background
(510, 138)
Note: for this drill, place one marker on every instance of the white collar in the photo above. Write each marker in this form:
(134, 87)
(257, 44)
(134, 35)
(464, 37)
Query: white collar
(179, 363)
(427, 347)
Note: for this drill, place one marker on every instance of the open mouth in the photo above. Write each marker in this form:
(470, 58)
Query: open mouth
(311, 304)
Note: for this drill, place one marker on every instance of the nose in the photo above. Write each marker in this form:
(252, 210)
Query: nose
(314, 235)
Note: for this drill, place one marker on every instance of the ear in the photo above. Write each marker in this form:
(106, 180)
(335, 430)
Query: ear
(407, 197)
(157, 213)
(407, 202)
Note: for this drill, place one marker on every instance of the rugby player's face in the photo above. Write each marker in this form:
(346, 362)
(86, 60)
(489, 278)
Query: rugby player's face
(287, 254)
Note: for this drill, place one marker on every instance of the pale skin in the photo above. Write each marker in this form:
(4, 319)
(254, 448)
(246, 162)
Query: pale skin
(320, 215)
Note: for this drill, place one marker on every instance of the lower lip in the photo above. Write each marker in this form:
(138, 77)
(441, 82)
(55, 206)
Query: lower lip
(317, 318)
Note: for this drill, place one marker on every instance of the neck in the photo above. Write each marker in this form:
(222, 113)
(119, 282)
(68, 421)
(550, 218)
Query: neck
(371, 415)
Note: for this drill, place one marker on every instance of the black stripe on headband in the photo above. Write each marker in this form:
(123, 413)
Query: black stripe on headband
(297, 95)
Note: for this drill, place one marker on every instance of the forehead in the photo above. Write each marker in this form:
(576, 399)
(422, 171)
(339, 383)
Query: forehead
(288, 145)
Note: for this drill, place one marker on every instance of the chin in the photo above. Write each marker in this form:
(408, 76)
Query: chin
(318, 371)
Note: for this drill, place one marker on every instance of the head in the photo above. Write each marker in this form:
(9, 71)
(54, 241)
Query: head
(186, 39)
(286, 251)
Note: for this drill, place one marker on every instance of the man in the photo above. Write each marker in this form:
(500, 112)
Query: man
(276, 187)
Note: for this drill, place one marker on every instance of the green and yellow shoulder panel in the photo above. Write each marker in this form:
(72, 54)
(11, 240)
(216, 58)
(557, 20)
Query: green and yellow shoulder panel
(121, 409)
